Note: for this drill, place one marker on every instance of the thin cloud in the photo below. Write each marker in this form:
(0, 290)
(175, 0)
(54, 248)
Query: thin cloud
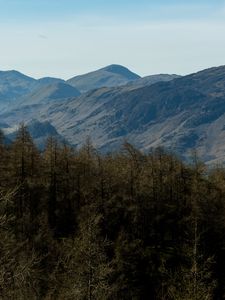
(42, 36)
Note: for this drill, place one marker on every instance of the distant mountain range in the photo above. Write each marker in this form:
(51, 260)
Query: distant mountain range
(113, 104)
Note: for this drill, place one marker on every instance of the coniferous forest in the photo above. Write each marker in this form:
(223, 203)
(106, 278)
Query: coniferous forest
(77, 224)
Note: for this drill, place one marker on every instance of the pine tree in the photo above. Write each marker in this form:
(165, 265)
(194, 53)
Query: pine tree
(18, 261)
(88, 269)
(24, 169)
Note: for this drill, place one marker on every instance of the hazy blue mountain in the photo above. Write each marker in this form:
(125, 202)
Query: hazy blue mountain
(50, 80)
(3, 125)
(110, 76)
(39, 131)
(182, 114)
(57, 91)
(13, 85)
(152, 79)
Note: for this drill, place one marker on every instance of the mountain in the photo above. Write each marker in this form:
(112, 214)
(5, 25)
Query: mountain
(152, 79)
(56, 91)
(3, 125)
(182, 114)
(110, 76)
(16, 87)
(14, 84)
(50, 80)
(39, 131)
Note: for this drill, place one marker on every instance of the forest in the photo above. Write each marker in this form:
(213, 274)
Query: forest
(78, 224)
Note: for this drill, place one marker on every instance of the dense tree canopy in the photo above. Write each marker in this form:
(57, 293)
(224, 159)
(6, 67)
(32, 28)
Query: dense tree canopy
(127, 225)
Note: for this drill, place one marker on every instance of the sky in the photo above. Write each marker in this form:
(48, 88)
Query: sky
(64, 38)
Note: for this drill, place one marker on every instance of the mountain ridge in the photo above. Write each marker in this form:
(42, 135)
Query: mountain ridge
(181, 114)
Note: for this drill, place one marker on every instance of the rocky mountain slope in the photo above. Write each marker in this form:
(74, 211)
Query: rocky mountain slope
(57, 91)
(182, 114)
(150, 80)
(39, 131)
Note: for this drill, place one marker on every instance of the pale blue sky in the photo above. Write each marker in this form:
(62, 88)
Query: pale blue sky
(64, 38)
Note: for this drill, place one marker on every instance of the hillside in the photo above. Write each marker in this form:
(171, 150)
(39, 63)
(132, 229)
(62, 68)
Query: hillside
(152, 79)
(110, 76)
(13, 85)
(50, 92)
(182, 114)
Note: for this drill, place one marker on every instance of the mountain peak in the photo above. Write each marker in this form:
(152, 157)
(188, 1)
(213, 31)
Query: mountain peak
(13, 74)
(109, 76)
(120, 70)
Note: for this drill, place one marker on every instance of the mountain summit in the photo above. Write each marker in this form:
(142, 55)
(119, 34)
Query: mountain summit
(14, 84)
(122, 71)
(110, 76)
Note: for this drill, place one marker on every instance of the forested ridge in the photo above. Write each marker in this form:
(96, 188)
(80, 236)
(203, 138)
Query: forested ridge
(76, 224)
